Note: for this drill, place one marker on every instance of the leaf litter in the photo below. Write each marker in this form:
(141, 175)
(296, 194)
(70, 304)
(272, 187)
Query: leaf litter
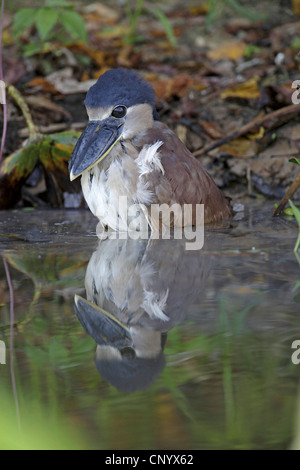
(225, 86)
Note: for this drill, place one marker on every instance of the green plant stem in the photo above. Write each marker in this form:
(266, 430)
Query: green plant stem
(133, 17)
(288, 194)
(296, 213)
(18, 98)
(4, 128)
(253, 16)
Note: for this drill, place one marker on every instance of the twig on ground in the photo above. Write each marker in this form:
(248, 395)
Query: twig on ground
(269, 121)
(288, 195)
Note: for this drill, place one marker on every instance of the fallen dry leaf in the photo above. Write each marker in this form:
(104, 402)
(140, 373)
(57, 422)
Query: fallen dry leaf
(41, 101)
(101, 71)
(113, 32)
(277, 168)
(127, 57)
(247, 90)
(99, 12)
(256, 135)
(212, 129)
(240, 23)
(283, 35)
(269, 121)
(177, 86)
(197, 10)
(42, 84)
(230, 49)
(97, 55)
(64, 82)
(240, 147)
(296, 6)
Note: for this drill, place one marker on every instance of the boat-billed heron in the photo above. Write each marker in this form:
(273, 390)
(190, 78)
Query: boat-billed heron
(126, 151)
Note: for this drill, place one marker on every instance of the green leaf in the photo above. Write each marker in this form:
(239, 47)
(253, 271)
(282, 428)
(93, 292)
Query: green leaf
(33, 48)
(20, 164)
(250, 14)
(54, 155)
(68, 138)
(59, 4)
(166, 25)
(297, 298)
(250, 49)
(83, 346)
(288, 211)
(296, 286)
(295, 160)
(74, 24)
(59, 355)
(23, 19)
(296, 212)
(45, 20)
(295, 44)
(37, 356)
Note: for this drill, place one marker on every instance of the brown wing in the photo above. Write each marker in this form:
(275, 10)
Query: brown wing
(184, 181)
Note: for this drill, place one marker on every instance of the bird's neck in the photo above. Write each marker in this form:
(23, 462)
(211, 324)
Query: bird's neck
(122, 149)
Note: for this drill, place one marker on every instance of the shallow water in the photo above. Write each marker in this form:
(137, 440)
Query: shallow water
(194, 347)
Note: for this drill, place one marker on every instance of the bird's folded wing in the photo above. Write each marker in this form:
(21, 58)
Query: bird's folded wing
(182, 178)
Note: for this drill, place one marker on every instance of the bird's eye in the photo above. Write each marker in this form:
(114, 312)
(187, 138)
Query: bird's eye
(127, 353)
(119, 111)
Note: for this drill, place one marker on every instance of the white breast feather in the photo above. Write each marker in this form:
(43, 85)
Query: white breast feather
(155, 303)
(102, 190)
(149, 159)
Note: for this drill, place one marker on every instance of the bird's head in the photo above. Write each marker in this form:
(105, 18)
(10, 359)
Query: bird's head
(119, 106)
(129, 357)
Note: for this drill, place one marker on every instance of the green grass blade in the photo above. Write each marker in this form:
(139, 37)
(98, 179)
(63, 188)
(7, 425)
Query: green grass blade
(295, 160)
(166, 25)
(296, 213)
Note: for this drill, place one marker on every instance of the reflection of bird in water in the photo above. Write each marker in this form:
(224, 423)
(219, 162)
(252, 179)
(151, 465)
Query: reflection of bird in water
(125, 151)
(136, 292)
